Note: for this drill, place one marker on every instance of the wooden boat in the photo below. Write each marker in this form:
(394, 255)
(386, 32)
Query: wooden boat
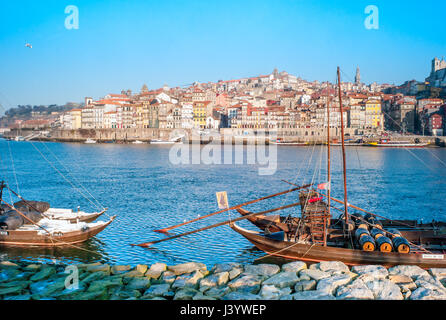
(62, 233)
(277, 244)
(89, 141)
(316, 236)
(156, 141)
(288, 143)
(431, 235)
(35, 223)
(386, 143)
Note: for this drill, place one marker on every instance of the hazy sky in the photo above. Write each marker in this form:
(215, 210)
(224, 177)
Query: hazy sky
(124, 44)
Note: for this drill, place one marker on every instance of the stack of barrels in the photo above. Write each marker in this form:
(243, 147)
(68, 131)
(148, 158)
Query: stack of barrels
(375, 237)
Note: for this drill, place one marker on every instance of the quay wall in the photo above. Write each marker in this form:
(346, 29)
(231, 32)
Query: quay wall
(327, 280)
(309, 135)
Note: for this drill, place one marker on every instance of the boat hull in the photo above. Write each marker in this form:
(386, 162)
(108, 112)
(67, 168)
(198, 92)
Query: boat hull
(406, 145)
(316, 253)
(33, 238)
(431, 233)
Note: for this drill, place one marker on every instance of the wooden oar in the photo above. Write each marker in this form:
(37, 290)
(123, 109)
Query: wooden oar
(148, 244)
(165, 230)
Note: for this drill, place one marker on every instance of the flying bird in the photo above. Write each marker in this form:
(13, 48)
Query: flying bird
(28, 45)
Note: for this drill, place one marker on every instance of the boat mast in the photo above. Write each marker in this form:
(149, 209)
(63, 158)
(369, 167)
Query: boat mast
(343, 149)
(328, 157)
(2, 186)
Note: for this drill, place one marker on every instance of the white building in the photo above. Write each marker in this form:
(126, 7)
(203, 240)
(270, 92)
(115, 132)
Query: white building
(187, 116)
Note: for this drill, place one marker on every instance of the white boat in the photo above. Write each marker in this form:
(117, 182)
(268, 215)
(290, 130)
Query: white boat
(171, 141)
(90, 141)
(288, 143)
(386, 143)
(19, 138)
(137, 142)
(156, 141)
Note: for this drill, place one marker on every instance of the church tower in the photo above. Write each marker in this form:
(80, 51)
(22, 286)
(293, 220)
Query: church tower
(358, 76)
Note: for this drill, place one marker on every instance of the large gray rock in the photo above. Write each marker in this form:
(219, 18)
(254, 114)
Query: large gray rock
(357, 290)
(47, 287)
(185, 294)
(439, 273)
(249, 282)
(427, 294)
(8, 264)
(188, 280)
(44, 273)
(155, 270)
(400, 279)
(8, 274)
(99, 268)
(201, 296)
(217, 292)
(432, 285)
(410, 271)
(237, 295)
(384, 289)
(104, 283)
(333, 266)
(157, 290)
(304, 285)
(138, 284)
(329, 285)
(14, 290)
(187, 267)
(372, 271)
(294, 266)
(118, 269)
(226, 267)
(214, 280)
(168, 277)
(314, 274)
(282, 280)
(312, 295)
(264, 270)
(270, 292)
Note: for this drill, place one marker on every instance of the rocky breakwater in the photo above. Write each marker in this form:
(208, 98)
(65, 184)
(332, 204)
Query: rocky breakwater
(229, 281)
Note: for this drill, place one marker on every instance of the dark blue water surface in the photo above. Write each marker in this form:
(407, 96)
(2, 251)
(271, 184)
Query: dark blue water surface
(146, 191)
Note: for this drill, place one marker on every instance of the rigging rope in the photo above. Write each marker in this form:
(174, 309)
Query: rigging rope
(69, 173)
(61, 174)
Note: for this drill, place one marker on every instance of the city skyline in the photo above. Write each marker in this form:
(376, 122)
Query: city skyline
(122, 46)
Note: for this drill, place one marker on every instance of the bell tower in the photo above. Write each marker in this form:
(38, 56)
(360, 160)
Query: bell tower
(357, 76)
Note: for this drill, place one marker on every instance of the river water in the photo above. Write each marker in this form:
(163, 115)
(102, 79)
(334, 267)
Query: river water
(146, 191)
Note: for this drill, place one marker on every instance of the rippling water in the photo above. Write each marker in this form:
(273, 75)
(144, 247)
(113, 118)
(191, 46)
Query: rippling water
(139, 185)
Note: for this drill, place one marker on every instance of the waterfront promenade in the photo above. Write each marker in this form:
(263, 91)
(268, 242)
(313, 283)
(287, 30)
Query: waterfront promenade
(330, 280)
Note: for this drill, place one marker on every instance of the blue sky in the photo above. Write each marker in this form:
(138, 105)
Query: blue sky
(124, 44)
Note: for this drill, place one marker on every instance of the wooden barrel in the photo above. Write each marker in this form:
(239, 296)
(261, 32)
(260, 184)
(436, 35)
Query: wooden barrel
(394, 233)
(367, 243)
(376, 233)
(358, 218)
(363, 226)
(401, 244)
(375, 222)
(360, 232)
(384, 244)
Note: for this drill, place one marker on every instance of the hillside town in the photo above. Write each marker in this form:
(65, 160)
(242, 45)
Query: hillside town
(278, 101)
